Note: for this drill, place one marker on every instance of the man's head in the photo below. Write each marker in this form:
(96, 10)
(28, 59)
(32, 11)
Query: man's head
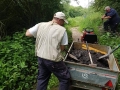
(107, 8)
(60, 17)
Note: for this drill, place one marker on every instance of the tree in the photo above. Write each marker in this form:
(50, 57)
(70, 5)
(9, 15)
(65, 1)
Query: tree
(18, 14)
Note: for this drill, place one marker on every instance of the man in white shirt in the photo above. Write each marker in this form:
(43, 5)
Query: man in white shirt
(51, 38)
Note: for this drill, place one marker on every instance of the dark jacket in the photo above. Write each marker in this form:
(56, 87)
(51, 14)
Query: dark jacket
(115, 18)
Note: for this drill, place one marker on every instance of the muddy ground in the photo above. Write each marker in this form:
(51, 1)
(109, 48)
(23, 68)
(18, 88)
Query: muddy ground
(84, 58)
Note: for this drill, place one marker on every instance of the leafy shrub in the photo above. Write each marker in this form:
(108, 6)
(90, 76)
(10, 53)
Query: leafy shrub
(18, 65)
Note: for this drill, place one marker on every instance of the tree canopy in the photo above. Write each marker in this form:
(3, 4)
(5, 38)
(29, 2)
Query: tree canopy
(18, 14)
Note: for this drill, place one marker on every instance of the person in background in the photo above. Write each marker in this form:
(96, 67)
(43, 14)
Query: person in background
(51, 38)
(113, 19)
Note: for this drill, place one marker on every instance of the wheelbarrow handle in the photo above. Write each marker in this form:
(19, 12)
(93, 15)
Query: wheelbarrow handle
(114, 49)
(89, 53)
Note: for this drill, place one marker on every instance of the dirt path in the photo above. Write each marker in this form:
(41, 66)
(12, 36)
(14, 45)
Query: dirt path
(76, 34)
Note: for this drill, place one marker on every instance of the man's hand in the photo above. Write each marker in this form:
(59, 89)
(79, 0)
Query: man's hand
(103, 17)
(62, 47)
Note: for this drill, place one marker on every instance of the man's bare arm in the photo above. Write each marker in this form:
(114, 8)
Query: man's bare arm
(105, 17)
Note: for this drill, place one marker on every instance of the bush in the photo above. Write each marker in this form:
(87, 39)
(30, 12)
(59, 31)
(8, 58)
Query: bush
(18, 65)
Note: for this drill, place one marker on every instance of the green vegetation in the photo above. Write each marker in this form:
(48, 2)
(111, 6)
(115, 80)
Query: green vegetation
(18, 14)
(17, 63)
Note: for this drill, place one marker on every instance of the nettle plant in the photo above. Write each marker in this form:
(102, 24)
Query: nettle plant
(108, 40)
(18, 64)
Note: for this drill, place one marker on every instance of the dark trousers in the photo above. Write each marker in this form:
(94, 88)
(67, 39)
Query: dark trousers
(59, 69)
(113, 26)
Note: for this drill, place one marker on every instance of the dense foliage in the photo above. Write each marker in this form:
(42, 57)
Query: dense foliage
(18, 14)
(17, 63)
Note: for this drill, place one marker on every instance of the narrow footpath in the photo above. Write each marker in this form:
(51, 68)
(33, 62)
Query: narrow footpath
(76, 34)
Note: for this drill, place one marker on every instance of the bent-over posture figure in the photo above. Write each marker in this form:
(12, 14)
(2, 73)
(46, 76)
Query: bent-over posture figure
(51, 37)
